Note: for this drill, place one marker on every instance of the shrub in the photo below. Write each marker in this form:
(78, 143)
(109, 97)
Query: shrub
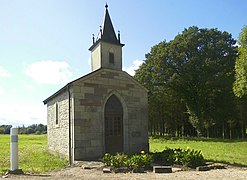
(166, 157)
(178, 155)
(107, 159)
(131, 161)
(188, 157)
(192, 158)
(140, 160)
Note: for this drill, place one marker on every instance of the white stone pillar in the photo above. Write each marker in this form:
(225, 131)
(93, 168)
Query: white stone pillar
(13, 149)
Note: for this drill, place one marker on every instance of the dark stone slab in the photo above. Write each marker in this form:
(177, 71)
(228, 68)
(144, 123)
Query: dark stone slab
(121, 170)
(89, 167)
(138, 170)
(203, 168)
(162, 169)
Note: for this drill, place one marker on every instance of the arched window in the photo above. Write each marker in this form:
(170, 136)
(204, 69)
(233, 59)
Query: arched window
(56, 112)
(111, 56)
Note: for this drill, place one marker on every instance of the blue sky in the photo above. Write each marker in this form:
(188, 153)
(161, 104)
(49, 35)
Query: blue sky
(44, 43)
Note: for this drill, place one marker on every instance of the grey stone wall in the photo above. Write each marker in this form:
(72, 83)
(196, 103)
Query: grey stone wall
(88, 97)
(58, 134)
(90, 94)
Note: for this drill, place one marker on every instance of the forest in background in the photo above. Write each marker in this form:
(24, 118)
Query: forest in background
(197, 84)
(32, 129)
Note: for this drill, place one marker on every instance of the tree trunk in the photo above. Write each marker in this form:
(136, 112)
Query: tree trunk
(223, 131)
(242, 129)
(154, 128)
(230, 130)
(182, 130)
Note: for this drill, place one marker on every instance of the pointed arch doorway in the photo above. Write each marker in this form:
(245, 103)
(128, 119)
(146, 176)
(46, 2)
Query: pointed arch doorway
(113, 125)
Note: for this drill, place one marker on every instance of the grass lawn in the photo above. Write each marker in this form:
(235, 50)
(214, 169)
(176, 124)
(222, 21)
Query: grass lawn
(217, 150)
(33, 154)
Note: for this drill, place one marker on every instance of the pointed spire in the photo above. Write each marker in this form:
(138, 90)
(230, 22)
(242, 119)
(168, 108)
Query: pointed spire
(108, 33)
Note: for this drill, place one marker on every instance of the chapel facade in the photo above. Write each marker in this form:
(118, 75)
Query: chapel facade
(105, 111)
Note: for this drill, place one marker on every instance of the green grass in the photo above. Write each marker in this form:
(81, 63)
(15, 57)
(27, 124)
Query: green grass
(33, 154)
(216, 150)
(35, 158)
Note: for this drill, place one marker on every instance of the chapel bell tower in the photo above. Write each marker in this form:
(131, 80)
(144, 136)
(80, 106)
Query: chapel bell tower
(106, 51)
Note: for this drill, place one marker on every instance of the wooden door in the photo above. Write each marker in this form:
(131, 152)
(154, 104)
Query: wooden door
(113, 125)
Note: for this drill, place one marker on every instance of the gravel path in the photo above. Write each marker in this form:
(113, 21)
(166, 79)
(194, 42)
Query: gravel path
(94, 171)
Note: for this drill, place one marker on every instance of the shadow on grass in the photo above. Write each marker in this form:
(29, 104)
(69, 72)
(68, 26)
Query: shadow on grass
(228, 163)
(197, 139)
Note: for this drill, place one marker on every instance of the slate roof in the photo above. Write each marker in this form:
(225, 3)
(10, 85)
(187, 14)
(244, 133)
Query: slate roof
(107, 32)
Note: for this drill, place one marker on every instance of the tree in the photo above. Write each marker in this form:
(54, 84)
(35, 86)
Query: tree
(242, 39)
(166, 112)
(196, 69)
(240, 84)
(2, 130)
(203, 63)
(5, 129)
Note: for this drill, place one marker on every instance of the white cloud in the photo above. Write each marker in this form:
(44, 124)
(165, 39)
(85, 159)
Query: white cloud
(49, 72)
(17, 114)
(4, 72)
(135, 65)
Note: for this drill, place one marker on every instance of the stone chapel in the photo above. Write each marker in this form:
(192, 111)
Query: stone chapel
(105, 111)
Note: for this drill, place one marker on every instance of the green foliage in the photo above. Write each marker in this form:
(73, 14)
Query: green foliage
(2, 130)
(118, 160)
(5, 129)
(140, 160)
(32, 129)
(166, 157)
(242, 39)
(129, 161)
(190, 80)
(33, 154)
(188, 157)
(191, 158)
(240, 84)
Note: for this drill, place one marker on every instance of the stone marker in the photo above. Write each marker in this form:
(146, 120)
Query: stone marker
(162, 169)
(14, 152)
(107, 170)
(13, 149)
(87, 167)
